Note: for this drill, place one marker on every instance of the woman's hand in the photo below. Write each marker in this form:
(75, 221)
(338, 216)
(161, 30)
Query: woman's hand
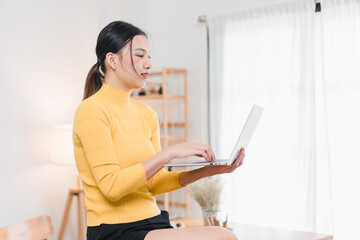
(194, 175)
(188, 149)
(220, 169)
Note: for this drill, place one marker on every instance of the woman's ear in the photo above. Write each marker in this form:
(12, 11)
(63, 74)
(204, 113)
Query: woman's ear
(111, 60)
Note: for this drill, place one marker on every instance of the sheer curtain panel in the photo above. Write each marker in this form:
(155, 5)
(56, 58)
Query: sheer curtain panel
(340, 41)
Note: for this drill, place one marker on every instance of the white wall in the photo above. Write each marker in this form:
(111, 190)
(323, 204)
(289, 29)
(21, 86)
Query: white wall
(46, 50)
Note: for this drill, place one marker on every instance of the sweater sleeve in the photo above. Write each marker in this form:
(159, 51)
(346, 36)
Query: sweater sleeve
(92, 126)
(163, 181)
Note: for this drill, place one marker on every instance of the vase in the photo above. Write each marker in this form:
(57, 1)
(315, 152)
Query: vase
(211, 217)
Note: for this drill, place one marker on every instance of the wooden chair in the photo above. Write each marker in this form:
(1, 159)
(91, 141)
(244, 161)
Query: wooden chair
(38, 228)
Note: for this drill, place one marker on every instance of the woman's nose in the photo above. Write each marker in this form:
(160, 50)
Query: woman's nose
(147, 64)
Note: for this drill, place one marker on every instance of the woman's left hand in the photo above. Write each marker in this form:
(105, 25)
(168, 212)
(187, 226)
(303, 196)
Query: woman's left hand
(220, 169)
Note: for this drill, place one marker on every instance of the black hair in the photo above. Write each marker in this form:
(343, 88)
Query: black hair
(111, 39)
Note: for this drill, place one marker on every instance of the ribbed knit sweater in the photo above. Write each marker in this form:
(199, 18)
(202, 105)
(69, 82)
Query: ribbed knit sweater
(113, 134)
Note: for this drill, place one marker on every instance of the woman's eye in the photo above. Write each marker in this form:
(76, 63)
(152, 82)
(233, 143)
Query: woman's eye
(141, 56)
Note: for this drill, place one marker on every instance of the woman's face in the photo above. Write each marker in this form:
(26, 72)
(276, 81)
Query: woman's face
(129, 77)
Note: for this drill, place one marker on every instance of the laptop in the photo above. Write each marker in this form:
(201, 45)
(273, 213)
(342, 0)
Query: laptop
(242, 142)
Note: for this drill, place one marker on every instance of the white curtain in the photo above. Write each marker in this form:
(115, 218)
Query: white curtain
(339, 23)
(301, 66)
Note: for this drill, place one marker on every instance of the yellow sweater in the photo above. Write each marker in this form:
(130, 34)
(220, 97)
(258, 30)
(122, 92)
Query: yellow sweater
(113, 134)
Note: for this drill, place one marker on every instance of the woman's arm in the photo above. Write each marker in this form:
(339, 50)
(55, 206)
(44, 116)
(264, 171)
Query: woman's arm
(156, 162)
(191, 176)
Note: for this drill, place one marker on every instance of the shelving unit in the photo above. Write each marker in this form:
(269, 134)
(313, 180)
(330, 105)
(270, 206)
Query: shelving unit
(168, 99)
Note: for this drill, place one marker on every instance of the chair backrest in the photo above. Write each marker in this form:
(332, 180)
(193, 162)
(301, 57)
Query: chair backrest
(38, 228)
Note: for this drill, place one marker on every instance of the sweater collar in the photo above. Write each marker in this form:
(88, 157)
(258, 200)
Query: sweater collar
(115, 93)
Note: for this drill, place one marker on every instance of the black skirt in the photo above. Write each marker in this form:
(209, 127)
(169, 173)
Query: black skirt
(132, 231)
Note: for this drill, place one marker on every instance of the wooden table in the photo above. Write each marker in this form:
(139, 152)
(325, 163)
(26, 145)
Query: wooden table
(252, 232)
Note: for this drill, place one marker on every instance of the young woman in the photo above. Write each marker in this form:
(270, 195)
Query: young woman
(117, 148)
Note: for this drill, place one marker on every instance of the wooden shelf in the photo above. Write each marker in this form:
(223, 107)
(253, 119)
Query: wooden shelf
(176, 204)
(167, 75)
(175, 124)
(155, 73)
(168, 70)
(180, 138)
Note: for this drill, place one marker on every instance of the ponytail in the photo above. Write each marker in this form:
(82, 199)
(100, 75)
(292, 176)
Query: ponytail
(93, 81)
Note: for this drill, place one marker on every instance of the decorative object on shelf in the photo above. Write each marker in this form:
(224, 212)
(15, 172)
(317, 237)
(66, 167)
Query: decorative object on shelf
(142, 91)
(207, 193)
(154, 88)
(151, 88)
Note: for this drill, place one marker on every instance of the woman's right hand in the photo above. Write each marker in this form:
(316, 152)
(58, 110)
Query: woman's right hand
(188, 149)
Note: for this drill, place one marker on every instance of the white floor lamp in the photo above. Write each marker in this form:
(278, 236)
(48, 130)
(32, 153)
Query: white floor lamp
(62, 153)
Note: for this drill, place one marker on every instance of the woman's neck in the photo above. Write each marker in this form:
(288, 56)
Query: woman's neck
(116, 83)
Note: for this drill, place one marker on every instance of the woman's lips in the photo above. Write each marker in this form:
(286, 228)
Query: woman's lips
(144, 75)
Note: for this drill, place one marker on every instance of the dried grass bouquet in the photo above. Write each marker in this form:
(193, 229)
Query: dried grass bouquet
(207, 192)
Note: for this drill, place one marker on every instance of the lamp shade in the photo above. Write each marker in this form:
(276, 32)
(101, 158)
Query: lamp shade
(62, 150)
